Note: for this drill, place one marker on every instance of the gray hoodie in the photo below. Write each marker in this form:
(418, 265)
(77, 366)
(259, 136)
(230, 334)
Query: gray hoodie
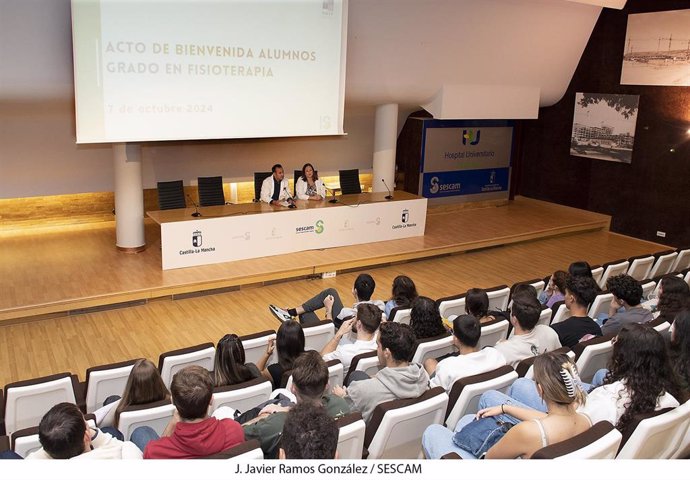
(388, 384)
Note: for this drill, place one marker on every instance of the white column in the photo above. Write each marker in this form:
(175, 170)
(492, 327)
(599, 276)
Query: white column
(129, 198)
(385, 137)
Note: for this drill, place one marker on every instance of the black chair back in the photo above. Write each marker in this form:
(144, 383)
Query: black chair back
(171, 195)
(349, 181)
(259, 178)
(211, 191)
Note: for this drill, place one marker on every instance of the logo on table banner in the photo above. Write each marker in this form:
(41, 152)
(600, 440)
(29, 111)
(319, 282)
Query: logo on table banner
(437, 187)
(376, 221)
(317, 228)
(405, 219)
(492, 186)
(197, 242)
(275, 234)
(243, 236)
(492, 176)
(405, 216)
(470, 136)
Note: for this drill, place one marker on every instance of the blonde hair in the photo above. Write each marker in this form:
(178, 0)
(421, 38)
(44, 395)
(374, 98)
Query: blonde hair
(559, 379)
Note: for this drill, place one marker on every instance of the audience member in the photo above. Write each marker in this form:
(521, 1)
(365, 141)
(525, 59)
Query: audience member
(290, 344)
(309, 433)
(308, 186)
(680, 350)
(627, 294)
(355, 336)
(397, 380)
(309, 382)
(674, 296)
(580, 269)
(329, 299)
(529, 339)
(404, 293)
(558, 385)
(471, 361)
(191, 433)
(229, 365)
(477, 305)
(555, 290)
(274, 188)
(64, 434)
(579, 294)
(425, 320)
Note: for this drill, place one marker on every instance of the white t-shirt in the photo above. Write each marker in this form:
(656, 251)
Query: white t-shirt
(104, 446)
(608, 402)
(451, 369)
(348, 347)
(350, 312)
(518, 347)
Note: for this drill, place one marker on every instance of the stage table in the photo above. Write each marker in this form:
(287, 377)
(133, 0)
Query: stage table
(252, 230)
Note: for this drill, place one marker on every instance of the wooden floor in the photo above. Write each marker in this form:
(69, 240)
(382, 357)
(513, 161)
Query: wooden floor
(63, 269)
(77, 341)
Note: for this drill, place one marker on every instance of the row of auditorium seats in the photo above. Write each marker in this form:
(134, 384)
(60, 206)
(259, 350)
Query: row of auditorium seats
(23, 403)
(171, 194)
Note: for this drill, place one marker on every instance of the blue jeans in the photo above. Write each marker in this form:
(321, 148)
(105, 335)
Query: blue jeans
(438, 440)
(141, 436)
(524, 390)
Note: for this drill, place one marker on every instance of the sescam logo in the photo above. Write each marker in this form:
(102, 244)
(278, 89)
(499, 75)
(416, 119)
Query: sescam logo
(197, 242)
(443, 187)
(317, 228)
(470, 136)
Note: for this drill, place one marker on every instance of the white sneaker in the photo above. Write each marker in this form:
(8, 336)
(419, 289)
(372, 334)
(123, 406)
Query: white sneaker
(279, 313)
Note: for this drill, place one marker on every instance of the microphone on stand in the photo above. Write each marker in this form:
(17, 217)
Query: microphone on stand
(196, 207)
(332, 200)
(390, 194)
(290, 199)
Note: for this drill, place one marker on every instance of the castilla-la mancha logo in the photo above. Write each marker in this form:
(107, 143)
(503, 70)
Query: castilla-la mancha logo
(197, 240)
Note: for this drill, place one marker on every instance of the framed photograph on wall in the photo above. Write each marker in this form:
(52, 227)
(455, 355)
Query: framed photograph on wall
(604, 126)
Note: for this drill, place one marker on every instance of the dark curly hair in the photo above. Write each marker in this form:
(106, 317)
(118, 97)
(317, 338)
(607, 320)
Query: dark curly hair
(584, 289)
(626, 288)
(641, 361)
(675, 296)
(309, 433)
(425, 319)
(680, 349)
(404, 291)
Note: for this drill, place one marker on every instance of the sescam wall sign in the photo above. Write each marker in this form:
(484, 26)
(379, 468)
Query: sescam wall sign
(465, 160)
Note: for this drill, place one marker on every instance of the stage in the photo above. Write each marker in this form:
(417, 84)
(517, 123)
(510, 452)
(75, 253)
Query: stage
(54, 271)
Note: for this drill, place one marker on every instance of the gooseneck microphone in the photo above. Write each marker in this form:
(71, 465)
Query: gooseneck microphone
(290, 199)
(332, 200)
(196, 207)
(390, 194)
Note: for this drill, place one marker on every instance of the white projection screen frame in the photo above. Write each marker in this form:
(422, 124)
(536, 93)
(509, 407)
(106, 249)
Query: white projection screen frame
(151, 70)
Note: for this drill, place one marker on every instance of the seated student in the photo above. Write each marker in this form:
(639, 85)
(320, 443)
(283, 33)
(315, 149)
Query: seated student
(557, 381)
(191, 433)
(309, 433)
(274, 188)
(397, 380)
(627, 293)
(425, 319)
(529, 339)
(555, 290)
(477, 305)
(354, 336)
(679, 350)
(309, 382)
(404, 293)
(144, 385)
(64, 433)
(290, 344)
(229, 367)
(471, 361)
(329, 299)
(674, 297)
(308, 186)
(579, 294)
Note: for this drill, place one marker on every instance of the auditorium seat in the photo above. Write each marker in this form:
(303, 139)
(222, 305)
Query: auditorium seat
(367, 362)
(682, 260)
(211, 191)
(592, 355)
(25, 441)
(169, 363)
(106, 380)
(349, 181)
(657, 437)
(453, 305)
(395, 428)
(640, 266)
(156, 415)
(537, 283)
(433, 347)
(27, 401)
(601, 441)
(171, 195)
(401, 315)
(245, 451)
(601, 304)
(351, 428)
(597, 272)
(242, 396)
(661, 326)
(465, 392)
(255, 345)
(317, 336)
(560, 312)
(524, 368)
(498, 297)
(664, 262)
(492, 332)
(648, 287)
(611, 269)
(259, 178)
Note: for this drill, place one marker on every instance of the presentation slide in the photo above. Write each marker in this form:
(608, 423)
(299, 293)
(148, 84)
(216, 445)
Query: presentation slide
(151, 70)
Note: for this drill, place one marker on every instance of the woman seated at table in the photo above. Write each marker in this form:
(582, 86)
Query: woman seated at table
(308, 186)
